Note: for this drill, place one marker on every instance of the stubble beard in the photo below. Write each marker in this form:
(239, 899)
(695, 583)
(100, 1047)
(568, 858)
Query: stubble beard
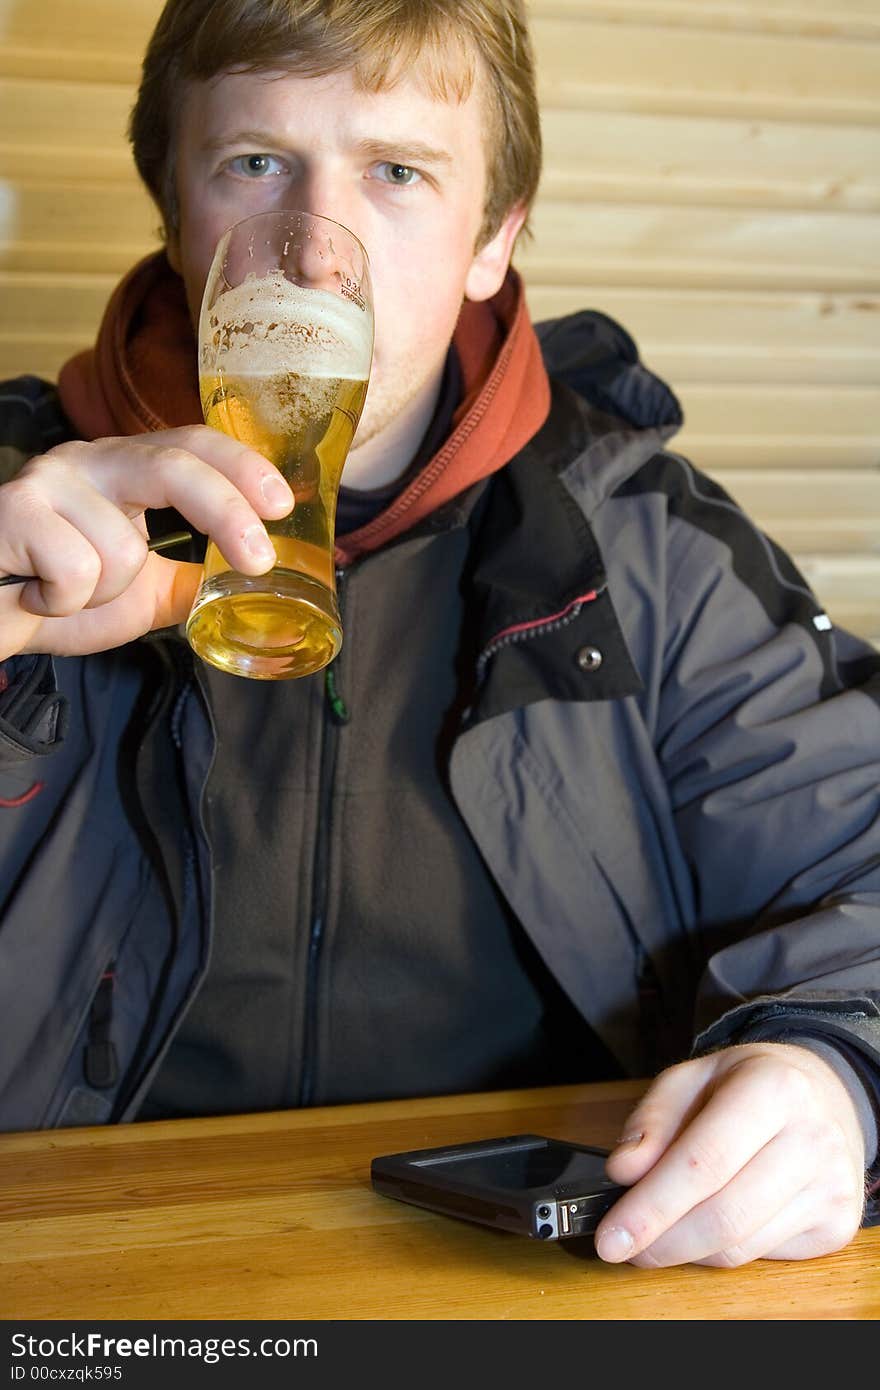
(398, 411)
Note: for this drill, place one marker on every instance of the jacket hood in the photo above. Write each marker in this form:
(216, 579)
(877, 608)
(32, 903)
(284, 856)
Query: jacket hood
(141, 376)
(631, 413)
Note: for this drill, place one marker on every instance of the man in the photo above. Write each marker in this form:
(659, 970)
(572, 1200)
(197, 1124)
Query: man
(593, 789)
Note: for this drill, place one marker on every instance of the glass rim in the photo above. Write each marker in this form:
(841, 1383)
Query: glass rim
(291, 212)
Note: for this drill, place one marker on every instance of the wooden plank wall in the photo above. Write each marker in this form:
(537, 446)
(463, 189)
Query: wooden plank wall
(712, 180)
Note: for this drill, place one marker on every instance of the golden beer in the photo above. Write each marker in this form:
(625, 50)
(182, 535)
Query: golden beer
(288, 618)
(283, 367)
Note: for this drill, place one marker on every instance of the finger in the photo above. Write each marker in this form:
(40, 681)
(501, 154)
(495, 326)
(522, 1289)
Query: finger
(807, 1245)
(785, 1224)
(220, 485)
(17, 624)
(175, 590)
(65, 565)
(81, 547)
(160, 596)
(210, 500)
(725, 1225)
(217, 482)
(120, 544)
(793, 1234)
(737, 1120)
(660, 1116)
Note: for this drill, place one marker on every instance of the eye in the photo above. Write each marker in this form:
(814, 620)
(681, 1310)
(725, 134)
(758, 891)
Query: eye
(400, 175)
(256, 166)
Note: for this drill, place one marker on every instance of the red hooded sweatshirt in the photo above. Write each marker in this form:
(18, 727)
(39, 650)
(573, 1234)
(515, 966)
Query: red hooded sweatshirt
(141, 375)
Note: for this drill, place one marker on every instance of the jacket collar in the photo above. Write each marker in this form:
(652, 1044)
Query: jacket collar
(547, 624)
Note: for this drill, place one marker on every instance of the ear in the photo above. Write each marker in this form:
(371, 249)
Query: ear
(172, 250)
(489, 266)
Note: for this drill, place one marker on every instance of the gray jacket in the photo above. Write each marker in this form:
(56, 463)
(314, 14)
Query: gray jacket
(669, 765)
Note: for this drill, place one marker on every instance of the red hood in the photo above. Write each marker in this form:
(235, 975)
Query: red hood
(141, 376)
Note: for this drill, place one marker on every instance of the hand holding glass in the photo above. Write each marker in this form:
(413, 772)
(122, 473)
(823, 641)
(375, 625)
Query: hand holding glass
(285, 350)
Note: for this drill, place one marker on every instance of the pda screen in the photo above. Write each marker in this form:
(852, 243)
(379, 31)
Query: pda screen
(525, 1166)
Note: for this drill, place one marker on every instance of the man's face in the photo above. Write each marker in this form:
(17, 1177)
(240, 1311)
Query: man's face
(404, 171)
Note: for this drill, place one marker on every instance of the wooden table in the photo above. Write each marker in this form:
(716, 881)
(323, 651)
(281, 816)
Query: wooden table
(272, 1217)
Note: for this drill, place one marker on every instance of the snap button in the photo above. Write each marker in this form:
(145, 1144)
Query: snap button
(589, 658)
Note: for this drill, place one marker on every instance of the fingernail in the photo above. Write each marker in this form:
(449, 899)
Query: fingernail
(629, 1141)
(275, 492)
(614, 1245)
(258, 543)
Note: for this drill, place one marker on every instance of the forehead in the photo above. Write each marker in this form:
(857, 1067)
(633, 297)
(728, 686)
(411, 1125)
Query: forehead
(415, 101)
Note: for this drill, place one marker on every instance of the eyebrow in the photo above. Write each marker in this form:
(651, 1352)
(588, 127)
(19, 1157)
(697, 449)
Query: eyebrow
(259, 139)
(405, 149)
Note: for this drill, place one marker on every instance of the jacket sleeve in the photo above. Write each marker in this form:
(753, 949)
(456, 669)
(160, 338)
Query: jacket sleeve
(31, 422)
(767, 725)
(33, 714)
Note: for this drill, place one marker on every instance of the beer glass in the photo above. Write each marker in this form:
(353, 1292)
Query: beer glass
(285, 350)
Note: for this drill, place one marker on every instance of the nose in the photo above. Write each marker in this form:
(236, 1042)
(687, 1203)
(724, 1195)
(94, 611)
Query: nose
(326, 195)
(311, 250)
(324, 192)
(320, 253)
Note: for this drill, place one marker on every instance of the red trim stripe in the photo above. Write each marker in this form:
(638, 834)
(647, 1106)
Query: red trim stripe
(13, 801)
(542, 622)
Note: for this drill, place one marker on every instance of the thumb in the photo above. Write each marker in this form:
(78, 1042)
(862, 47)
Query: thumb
(177, 583)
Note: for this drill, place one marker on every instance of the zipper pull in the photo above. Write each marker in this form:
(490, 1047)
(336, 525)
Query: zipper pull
(338, 707)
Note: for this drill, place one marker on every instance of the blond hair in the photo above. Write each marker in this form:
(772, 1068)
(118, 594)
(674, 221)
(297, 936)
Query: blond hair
(449, 44)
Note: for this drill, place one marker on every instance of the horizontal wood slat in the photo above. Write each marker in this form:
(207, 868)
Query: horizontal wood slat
(846, 501)
(855, 534)
(82, 226)
(78, 131)
(111, 26)
(582, 60)
(851, 19)
(65, 129)
(790, 454)
(649, 67)
(96, 226)
(691, 336)
(722, 336)
(722, 248)
(86, 40)
(782, 412)
(650, 157)
(686, 335)
(848, 577)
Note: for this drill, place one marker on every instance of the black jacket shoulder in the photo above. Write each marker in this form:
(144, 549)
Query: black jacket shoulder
(31, 421)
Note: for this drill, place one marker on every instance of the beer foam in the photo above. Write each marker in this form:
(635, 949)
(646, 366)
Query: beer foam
(268, 325)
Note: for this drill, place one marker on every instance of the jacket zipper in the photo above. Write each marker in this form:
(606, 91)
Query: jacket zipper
(335, 715)
(166, 705)
(538, 627)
